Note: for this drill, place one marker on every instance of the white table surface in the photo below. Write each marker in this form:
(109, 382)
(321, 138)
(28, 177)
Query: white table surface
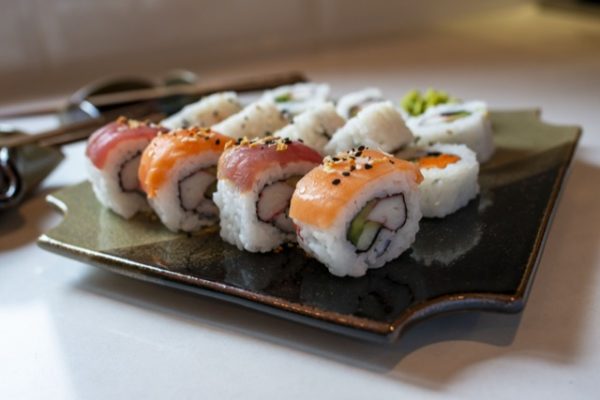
(69, 331)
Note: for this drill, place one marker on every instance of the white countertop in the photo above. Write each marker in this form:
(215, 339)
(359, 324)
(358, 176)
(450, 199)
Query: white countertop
(69, 331)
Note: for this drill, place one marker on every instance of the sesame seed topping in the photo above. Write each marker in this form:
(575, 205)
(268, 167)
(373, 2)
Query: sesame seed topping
(346, 173)
(336, 181)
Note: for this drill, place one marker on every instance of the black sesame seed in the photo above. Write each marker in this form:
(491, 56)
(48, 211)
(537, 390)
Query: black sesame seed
(335, 159)
(368, 166)
(336, 181)
(346, 173)
(218, 141)
(352, 168)
(392, 162)
(361, 148)
(358, 153)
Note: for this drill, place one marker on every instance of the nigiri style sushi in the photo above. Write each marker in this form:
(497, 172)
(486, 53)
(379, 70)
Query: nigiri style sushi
(379, 125)
(113, 155)
(256, 179)
(461, 123)
(314, 127)
(358, 210)
(209, 111)
(450, 173)
(178, 174)
(350, 104)
(258, 119)
(297, 98)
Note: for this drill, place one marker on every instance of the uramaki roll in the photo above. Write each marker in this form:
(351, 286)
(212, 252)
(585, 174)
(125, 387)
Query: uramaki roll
(358, 210)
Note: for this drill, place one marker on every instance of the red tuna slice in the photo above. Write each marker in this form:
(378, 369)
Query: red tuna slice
(107, 138)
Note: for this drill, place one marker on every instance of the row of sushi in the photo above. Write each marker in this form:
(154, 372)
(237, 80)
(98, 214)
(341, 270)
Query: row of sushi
(290, 167)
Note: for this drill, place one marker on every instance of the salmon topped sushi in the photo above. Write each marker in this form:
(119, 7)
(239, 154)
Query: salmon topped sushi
(358, 210)
(113, 153)
(178, 174)
(256, 179)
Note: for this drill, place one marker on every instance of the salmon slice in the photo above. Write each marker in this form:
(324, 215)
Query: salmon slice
(165, 150)
(326, 190)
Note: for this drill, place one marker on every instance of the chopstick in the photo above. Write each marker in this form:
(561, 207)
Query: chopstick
(202, 89)
(77, 130)
(81, 130)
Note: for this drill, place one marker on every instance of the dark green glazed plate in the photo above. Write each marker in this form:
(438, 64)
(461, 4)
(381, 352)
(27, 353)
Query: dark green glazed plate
(482, 257)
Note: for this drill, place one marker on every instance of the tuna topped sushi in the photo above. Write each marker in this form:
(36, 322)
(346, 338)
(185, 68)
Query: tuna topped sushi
(113, 154)
(358, 210)
(178, 173)
(256, 180)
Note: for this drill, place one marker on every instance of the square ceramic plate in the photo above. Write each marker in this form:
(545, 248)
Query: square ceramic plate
(482, 257)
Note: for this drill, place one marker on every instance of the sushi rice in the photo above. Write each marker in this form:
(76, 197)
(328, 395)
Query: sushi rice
(379, 126)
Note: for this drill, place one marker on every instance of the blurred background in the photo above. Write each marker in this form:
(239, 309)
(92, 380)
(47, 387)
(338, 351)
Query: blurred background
(55, 46)
(52, 47)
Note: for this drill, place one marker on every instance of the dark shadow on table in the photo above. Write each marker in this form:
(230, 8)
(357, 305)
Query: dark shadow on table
(432, 353)
(25, 223)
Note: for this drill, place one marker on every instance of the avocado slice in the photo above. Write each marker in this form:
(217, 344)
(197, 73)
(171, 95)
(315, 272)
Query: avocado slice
(368, 235)
(360, 226)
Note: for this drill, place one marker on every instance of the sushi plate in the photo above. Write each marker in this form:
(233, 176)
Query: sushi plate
(483, 257)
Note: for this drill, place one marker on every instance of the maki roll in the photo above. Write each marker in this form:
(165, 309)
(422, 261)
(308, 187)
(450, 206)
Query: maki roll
(462, 123)
(379, 125)
(208, 111)
(295, 99)
(113, 155)
(256, 180)
(349, 105)
(450, 174)
(258, 119)
(358, 210)
(314, 127)
(178, 174)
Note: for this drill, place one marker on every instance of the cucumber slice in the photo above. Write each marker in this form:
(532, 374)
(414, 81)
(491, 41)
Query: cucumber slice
(283, 98)
(368, 235)
(358, 223)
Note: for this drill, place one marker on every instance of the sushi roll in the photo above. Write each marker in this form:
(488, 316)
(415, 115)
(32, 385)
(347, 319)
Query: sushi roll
(256, 180)
(113, 155)
(297, 98)
(208, 111)
(450, 174)
(178, 174)
(379, 125)
(314, 127)
(349, 105)
(358, 210)
(463, 123)
(258, 119)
